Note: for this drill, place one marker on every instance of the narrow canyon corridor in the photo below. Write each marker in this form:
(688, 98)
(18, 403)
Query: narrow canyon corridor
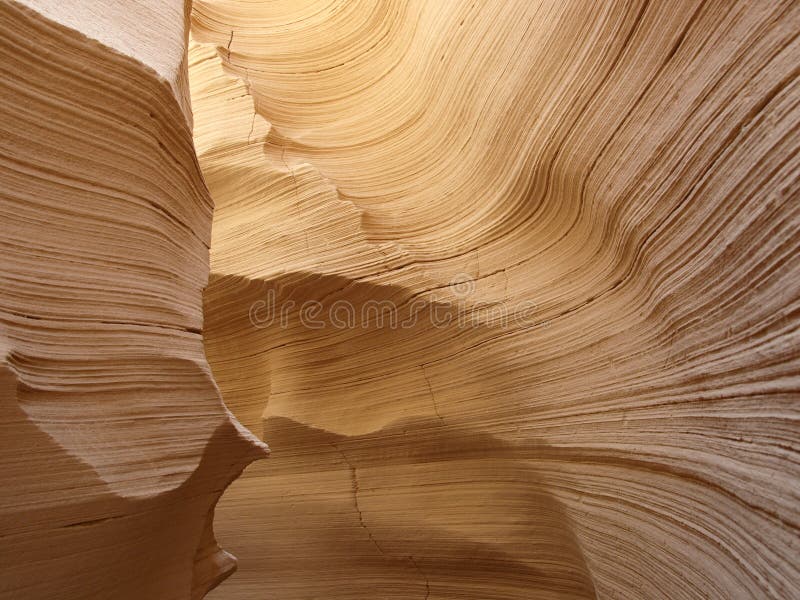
(510, 289)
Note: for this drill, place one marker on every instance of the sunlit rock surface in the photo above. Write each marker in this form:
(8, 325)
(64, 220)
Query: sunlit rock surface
(604, 197)
(511, 288)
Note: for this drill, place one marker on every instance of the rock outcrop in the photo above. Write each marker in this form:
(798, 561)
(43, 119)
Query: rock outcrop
(114, 442)
(603, 197)
(512, 289)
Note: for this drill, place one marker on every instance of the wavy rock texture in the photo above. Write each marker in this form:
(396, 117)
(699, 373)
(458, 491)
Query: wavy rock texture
(604, 197)
(114, 443)
(512, 287)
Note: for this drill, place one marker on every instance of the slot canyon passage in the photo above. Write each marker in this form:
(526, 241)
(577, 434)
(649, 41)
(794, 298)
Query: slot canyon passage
(510, 288)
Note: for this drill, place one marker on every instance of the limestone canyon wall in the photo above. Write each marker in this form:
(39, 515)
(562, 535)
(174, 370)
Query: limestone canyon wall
(511, 288)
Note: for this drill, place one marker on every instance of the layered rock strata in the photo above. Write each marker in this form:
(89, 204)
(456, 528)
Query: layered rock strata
(114, 443)
(511, 288)
(604, 199)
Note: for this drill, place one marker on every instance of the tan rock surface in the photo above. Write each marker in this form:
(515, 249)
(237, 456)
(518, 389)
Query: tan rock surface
(510, 287)
(607, 195)
(114, 442)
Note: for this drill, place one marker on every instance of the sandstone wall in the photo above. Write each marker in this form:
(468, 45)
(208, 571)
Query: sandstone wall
(511, 288)
(622, 177)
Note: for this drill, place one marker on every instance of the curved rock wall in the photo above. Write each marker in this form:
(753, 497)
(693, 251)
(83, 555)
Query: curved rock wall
(114, 442)
(511, 287)
(583, 217)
